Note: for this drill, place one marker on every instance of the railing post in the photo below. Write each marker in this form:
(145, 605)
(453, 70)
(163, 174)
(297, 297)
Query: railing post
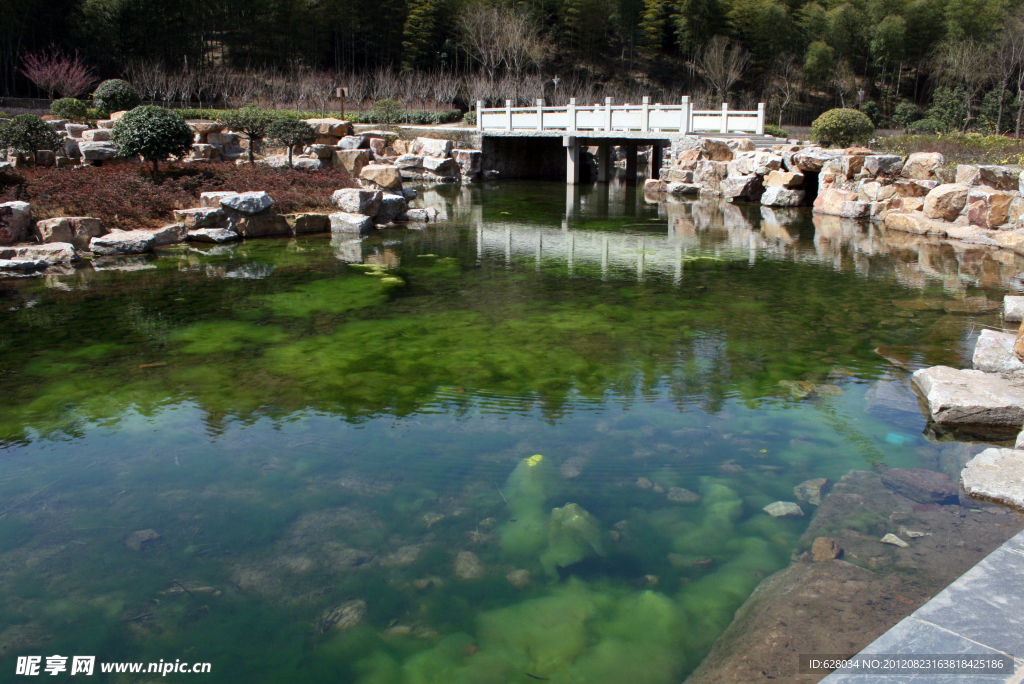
(479, 115)
(508, 115)
(540, 114)
(572, 113)
(760, 118)
(725, 117)
(608, 113)
(684, 115)
(645, 118)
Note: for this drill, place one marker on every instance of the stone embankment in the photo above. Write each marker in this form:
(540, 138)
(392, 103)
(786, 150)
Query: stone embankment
(337, 145)
(30, 247)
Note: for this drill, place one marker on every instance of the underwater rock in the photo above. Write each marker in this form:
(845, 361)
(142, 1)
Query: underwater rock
(782, 508)
(518, 578)
(811, 491)
(406, 555)
(345, 616)
(428, 582)
(680, 495)
(894, 540)
(573, 534)
(467, 566)
(923, 486)
(573, 468)
(644, 483)
(798, 389)
(825, 549)
(971, 305)
(432, 519)
(137, 539)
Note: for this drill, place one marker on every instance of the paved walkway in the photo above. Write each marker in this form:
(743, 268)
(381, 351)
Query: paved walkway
(982, 613)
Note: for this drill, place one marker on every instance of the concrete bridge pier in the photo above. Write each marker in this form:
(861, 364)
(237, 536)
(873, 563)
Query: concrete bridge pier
(572, 159)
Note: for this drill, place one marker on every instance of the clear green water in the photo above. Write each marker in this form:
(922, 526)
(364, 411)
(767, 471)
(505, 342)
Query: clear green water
(324, 432)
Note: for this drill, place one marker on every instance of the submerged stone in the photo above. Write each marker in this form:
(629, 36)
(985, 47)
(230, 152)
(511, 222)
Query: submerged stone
(894, 540)
(467, 566)
(923, 486)
(782, 508)
(680, 495)
(137, 539)
(811, 491)
(825, 549)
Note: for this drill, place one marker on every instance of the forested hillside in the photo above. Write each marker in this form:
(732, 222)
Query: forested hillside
(960, 58)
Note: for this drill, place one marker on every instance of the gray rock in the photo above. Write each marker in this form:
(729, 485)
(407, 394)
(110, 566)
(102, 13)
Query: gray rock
(15, 218)
(432, 147)
(971, 397)
(75, 130)
(782, 508)
(682, 189)
(441, 166)
(52, 252)
(202, 217)
(1013, 308)
(77, 230)
(743, 187)
(123, 242)
(391, 206)
(996, 475)
(883, 164)
(811, 491)
(353, 142)
(778, 196)
(894, 540)
(409, 161)
(23, 264)
(307, 224)
(410, 193)
(136, 262)
(346, 222)
(307, 164)
(96, 135)
(98, 151)
(170, 235)
(922, 486)
(994, 353)
(248, 202)
(358, 201)
(215, 235)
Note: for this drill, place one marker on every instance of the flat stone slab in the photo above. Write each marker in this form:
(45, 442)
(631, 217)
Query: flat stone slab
(1013, 308)
(994, 352)
(971, 397)
(996, 475)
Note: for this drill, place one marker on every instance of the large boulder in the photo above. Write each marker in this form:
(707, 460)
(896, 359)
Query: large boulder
(993, 353)
(77, 230)
(353, 142)
(811, 159)
(988, 207)
(265, 225)
(1013, 308)
(716, 150)
(357, 200)
(440, 166)
(98, 151)
(923, 165)
(778, 196)
(996, 475)
(748, 188)
(15, 218)
(470, 161)
(391, 206)
(432, 147)
(830, 200)
(308, 224)
(170, 234)
(51, 253)
(676, 189)
(212, 199)
(946, 201)
(989, 175)
(883, 164)
(123, 242)
(248, 202)
(213, 235)
(201, 217)
(96, 135)
(351, 161)
(785, 179)
(382, 176)
(971, 398)
(345, 222)
(330, 127)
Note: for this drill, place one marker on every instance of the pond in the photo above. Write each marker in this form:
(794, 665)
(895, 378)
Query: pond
(531, 443)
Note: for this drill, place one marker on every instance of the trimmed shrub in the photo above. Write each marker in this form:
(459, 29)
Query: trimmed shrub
(115, 95)
(29, 133)
(253, 121)
(290, 132)
(153, 133)
(386, 111)
(773, 130)
(470, 118)
(927, 125)
(842, 128)
(69, 108)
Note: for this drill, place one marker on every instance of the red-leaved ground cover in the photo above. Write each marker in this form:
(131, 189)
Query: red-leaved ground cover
(124, 197)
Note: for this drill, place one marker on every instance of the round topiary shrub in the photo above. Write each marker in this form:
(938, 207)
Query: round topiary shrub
(69, 108)
(29, 133)
(842, 128)
(775, 131)
(290, 132)
(115, 95)
(387, 111)
(153, 133)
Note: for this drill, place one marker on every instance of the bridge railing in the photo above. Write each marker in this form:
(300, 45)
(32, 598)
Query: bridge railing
(645, 117)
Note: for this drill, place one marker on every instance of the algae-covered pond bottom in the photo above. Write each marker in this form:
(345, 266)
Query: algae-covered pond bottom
(531, 443)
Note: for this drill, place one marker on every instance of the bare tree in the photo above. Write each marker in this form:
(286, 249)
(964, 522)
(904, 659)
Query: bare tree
(1008, 60)
(722, 63)
(519, 40)
(844, 80)
(148, 78)
(386, 85)
(963, 64)
(320, 89)
(480, 29)
(784, 81)
(446, 88)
